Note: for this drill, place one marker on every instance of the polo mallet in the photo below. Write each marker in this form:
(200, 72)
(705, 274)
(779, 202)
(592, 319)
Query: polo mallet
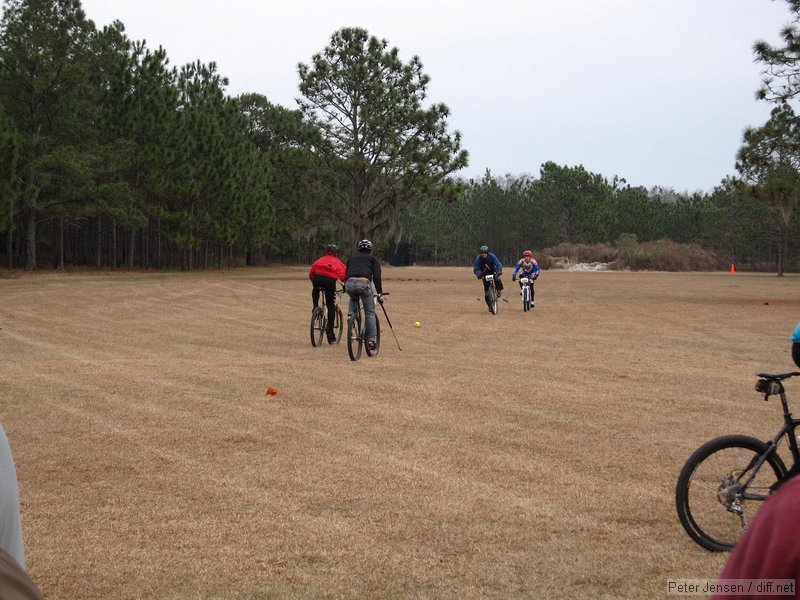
(390, 324)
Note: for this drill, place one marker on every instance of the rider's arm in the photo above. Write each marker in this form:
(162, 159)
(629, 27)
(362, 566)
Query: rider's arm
(476, 267)
(340, 270)
(498, 266)
(376, 275)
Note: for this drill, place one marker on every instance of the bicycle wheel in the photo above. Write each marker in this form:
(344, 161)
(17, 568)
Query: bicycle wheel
(338, 324)
(526, 298)
(355, 339)
(493, 299)
(377, 339)
(317, 326)
(713, 504)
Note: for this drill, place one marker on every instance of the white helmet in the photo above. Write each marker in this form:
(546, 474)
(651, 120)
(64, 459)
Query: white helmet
(365, 246)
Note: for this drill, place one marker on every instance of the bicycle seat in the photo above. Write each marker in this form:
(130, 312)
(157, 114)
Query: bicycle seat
(777, 376)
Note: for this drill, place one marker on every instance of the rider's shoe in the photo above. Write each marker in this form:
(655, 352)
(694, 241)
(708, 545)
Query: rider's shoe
(371, 345)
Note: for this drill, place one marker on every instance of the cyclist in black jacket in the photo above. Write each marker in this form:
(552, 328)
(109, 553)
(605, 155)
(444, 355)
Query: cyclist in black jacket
(364, 269)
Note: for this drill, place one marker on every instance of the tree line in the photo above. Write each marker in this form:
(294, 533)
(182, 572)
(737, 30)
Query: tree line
(110, 157)
(572, 206)
(114, 158)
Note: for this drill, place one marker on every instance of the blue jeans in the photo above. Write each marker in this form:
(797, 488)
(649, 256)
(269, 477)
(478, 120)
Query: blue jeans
(362, 288)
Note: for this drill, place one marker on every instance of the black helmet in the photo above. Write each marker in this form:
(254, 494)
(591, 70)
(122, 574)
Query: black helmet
(332, 248)
(365, 246)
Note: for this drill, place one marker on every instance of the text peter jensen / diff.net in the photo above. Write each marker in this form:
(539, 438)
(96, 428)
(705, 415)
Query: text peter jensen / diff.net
(704, 587)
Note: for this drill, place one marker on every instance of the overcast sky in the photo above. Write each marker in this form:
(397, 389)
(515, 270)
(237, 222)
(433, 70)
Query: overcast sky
(655, 91)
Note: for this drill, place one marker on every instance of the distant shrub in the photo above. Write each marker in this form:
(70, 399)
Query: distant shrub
(666, 255)
(582, 253)
(661, 255)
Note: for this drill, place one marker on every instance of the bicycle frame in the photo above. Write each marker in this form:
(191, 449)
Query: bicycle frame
(323, 302)
(787, 430)
(359, 321)
(526, 284)
(489, 279)
(319, 315)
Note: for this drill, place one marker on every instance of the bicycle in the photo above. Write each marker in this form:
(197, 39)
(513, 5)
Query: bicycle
(357, 332)
(491, 293)
(724, 481)
(527, 284)
(319, 319)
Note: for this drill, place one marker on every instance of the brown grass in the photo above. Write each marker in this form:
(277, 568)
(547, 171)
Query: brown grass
(522, 455)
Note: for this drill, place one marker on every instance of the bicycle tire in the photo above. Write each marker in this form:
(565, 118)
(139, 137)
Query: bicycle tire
(492, 299)
(355, 337)
(317, 326)
(526, 298)
(338, 325)
(712, 507)
(377, 339)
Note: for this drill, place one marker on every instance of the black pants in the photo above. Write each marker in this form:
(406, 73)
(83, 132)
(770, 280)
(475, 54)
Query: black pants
(328, 285)
(498, 285)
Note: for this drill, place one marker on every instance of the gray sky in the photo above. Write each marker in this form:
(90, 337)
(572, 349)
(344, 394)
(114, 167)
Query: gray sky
(655, 91)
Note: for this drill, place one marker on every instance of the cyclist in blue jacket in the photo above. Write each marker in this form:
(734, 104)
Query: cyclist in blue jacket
(487, 263)
(796, 345)
(526, 267)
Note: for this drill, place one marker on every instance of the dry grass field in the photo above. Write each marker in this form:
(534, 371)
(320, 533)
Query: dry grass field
(511, 456)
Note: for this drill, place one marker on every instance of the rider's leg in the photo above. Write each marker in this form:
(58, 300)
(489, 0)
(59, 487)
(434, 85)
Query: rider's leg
(369, 312)
(352, 290)
(330, 299)
(315, 295)
(486, 295)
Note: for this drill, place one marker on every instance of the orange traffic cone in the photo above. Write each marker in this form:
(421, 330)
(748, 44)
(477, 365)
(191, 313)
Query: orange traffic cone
(733, 269)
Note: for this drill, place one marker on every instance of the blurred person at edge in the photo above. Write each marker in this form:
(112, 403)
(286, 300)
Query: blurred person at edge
(769, 548)
(14, 581)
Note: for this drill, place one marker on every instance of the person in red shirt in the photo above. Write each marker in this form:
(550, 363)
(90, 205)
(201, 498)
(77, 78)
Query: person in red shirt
(324, 273)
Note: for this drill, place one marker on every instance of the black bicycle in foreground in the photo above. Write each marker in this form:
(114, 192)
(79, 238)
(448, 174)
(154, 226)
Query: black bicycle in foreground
(726, 479)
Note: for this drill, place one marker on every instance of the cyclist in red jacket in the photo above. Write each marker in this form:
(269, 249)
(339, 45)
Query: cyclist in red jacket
(324, 273)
